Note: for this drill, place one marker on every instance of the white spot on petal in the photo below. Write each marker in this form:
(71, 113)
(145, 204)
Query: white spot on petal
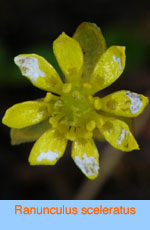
(136, 102)
(117, 60)
(88, 165)
(50, 156)
(124, 135)
(29, 67)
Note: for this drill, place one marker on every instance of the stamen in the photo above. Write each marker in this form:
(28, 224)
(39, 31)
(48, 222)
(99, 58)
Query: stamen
(55, 120)
(91, 125)
(91, 99)
(49, 97)
(67, 87)
(97, 103)
(87, 85)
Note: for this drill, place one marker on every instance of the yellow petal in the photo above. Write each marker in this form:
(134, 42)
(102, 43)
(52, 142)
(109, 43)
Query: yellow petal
(108, 68)
(69, 56)
(117, 133)
(86, 157)
(28, 134)
(128, 120)
(39, 72)
(48, 148)
(25, 114)
(124, 103)
(92, 43)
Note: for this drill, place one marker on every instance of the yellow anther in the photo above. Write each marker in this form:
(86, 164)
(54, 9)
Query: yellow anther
(67, 87)
(90, 125)
(99, 122)
(58, 104)
(91, 99)
(49, 97)
(54, 121)
(97, 103)
(87, 85)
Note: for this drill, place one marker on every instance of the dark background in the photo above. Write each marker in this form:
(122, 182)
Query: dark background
(30, 27)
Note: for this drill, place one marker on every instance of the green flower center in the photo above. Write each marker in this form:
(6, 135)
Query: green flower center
(73, 108)
(77, 106)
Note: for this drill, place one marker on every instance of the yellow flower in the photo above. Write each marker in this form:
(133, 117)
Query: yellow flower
(69, 110)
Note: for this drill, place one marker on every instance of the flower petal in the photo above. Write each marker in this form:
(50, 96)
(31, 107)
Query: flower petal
(48, 148)
(86, 157)
(92, 43)
(39, 72)
(124, 103)
(28, 134)
(69, 56)
(109, 68)
(25, 114)
(117, 133)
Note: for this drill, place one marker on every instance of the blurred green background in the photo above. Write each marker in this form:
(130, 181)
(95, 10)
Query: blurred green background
(30, 27)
